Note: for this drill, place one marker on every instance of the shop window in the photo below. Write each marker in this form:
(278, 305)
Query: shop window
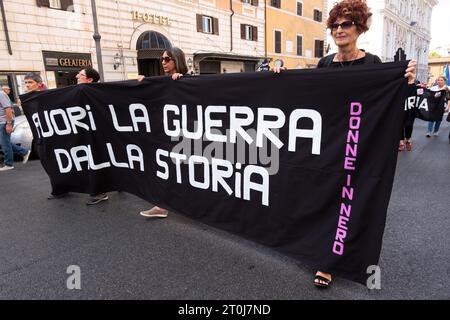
(249, 66)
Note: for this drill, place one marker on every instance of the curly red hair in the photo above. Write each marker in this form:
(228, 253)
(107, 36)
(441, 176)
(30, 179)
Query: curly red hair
(354, 10)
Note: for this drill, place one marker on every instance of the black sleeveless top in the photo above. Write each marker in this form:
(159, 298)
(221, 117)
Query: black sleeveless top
(327, 62)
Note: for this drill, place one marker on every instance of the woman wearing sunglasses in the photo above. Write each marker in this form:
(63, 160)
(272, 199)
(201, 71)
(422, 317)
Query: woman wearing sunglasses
(347, 20)
(174, 64)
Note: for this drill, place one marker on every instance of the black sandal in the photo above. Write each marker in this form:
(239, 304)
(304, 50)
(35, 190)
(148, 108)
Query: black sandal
(318, 284)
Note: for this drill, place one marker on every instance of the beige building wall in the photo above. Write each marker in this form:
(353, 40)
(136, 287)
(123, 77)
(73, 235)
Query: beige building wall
(181, 30)
(291, 25)
(34, 29)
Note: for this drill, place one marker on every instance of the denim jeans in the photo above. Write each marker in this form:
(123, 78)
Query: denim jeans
(436, 126)
(8, 148)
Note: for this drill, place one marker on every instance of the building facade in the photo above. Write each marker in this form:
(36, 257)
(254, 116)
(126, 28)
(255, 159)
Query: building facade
(296, 32)
(398, 24)
(55, 37)
(436, 67)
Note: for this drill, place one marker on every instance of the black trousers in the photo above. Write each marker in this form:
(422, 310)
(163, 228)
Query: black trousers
(407, 130)
(408, 124)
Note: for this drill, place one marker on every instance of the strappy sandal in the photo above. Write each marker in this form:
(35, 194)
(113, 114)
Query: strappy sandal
(401, 146)
(408, 145)
(319, 284)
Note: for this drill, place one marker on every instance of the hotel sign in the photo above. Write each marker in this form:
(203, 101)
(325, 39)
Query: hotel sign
(150, 18)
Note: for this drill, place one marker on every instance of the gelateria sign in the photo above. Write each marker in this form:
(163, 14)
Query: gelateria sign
(66, 60)
(150, 18)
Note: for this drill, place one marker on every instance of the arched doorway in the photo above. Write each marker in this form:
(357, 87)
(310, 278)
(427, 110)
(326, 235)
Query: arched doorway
(150, 46)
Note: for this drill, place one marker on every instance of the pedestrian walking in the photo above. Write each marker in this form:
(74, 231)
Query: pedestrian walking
(433, 126)
(407, 128)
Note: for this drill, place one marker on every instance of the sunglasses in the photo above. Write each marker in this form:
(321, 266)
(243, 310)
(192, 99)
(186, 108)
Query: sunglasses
(344, 25)
(165, 59)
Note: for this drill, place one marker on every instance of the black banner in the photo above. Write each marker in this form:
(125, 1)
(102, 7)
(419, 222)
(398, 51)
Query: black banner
(302, 161)
(426, 104)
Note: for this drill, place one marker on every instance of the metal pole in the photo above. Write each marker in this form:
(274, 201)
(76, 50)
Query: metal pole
(5, 27)
(97, 38)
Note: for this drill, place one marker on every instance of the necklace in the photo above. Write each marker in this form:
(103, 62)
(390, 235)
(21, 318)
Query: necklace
(353, 60)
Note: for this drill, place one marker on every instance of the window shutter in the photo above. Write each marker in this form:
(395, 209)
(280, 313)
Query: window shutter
(199, 23)
(255, 33)
(299, 45)
(318, 48)
(255, 3)
(215, 25)
(242, 31)
(43, 3)
(277, 42)
(67, 5)
(276, 3)
(320, 16)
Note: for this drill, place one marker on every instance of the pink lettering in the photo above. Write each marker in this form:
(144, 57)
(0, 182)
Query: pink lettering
(351, 150)
(349, 163)
(342, 223)
(353, 136)
(347, 193)
(340, 235)
(345, 209)
(351, 155)
(355, 108)
(338, 248)
(355, 123)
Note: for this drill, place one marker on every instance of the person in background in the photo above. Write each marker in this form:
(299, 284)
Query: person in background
(7, 90)
(407, 128)
(174, 64)
(87, 76)
(440, 85)
(33, 82)
(347, 20)
(6, 128)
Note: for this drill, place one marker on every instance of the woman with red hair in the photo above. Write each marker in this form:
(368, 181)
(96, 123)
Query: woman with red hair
(348, 19)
